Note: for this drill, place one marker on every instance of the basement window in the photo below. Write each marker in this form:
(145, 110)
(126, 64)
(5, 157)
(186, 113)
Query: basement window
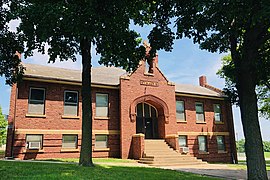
(220, 143)
(101, 141)
(202, 143)
(70, 141)
(34, 142)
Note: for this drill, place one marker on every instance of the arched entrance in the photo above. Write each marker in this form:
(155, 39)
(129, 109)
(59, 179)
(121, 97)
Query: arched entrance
(147, 120)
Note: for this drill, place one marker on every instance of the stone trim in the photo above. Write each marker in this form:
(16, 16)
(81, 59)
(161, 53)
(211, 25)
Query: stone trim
(56, 131)
(149, 98)
(204, 133)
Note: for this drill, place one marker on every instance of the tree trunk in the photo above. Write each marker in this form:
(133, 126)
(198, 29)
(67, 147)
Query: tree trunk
(86, 145)
(249, 114)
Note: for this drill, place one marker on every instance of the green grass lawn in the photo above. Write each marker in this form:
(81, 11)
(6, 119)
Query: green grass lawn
(2, 153)
(267, 154)
(41, 170)
(95, 160)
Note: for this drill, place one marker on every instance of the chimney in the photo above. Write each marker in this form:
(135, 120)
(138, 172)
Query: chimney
(203, 81)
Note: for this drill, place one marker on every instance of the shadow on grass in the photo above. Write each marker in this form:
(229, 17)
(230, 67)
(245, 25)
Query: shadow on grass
(34, 170)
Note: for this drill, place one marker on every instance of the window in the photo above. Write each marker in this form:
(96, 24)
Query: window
(217, 111)
(220, 143)
(199, 111)
(36, 101)
(180, 110)
(101, 141)
(34, 141)
(70, 141)
(182, 141)
(102, 105)
(71, 103)
(202, 143)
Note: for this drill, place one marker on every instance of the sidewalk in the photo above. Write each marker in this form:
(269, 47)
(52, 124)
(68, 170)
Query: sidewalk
(215, 170)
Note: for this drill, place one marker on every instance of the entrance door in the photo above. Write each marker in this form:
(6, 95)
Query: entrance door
(146, 120)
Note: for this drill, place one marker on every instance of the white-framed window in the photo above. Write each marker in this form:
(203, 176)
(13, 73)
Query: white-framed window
(34, 141)
(180, 110)
(202, 140)
(70, 141)
(199, 111)
(102, 105)
(182, 140)
(36, 101)
(217, 112)
(221, 143)
(101, 141)
(71, 103)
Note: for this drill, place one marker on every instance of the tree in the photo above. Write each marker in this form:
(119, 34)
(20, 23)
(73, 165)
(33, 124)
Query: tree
(241, 27)
(3, 128)
(70, 27)
(263, 90)
(10, 65)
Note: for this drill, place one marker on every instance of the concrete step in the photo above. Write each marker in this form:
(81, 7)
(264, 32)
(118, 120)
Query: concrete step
(177, 164)
(159, 153)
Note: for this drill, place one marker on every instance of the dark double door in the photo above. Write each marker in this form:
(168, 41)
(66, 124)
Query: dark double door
(146, 121)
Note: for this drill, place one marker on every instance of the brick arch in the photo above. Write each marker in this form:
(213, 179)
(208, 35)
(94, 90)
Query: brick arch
(158, 103)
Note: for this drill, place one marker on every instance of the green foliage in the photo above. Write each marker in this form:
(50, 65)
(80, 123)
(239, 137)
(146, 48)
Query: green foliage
(3, 128)
(104, 23)
(263, 91)
(264, 101)
(240, 145)
(9, 63)
(266, 146)
(40, 170)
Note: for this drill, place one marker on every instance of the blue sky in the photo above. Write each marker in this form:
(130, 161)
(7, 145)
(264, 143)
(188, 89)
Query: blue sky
(183, 65)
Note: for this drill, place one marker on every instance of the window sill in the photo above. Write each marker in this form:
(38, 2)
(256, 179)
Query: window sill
(102, 118)
(70, 117)
(222, 152)
(219, 122)
(69, 150)
(33, 151)
(181, 121)
(203, 152)
(102, 149)
(200, 122)
(36, 115)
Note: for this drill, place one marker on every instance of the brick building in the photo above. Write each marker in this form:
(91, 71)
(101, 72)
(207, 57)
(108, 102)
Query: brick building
(128, 110)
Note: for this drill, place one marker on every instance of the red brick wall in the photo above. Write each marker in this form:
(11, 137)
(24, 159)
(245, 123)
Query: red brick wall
(54, 108)
(138, 146)
(131, 89)
(122, 103)
(210, 126)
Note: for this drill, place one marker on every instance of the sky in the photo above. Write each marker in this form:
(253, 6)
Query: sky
(183, 65)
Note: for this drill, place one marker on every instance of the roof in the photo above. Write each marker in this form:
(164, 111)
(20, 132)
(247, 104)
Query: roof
(100, 75)
(198, 90)
(103, 76)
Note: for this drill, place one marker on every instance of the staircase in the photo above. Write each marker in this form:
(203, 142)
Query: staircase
(158, 153)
